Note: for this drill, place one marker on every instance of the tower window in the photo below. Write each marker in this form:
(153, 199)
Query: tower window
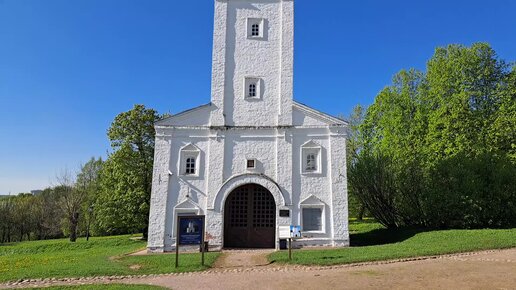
(252, 90)
(255, 30)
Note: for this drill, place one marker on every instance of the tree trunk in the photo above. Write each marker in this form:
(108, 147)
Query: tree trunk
(145, 233)
(361, 212)
(74, 221)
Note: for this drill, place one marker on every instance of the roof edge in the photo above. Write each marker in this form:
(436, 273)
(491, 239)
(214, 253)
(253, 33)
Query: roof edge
(327, 117)
(183, 113)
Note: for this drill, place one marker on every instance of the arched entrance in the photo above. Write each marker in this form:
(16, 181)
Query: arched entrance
(250, 218)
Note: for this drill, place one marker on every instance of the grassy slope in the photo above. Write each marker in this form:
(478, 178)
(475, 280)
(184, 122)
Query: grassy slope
(98, 257)
(371, 242)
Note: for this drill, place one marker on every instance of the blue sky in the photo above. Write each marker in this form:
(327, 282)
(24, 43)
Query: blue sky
(67, 68)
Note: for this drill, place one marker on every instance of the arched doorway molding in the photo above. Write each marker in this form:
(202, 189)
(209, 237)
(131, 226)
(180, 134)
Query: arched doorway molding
(250, 218)
(239, 180)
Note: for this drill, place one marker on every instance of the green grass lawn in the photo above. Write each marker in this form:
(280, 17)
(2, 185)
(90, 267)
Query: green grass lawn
(98, 257)
(105, 287)
(371, 242)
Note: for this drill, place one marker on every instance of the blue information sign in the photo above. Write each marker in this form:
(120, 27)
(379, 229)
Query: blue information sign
(191, 230)
(295, 232)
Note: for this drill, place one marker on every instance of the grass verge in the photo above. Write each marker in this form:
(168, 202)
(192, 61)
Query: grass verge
(371, 242)
(103, 256)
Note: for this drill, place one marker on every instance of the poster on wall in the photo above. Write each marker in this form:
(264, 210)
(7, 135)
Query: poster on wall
(190, 230)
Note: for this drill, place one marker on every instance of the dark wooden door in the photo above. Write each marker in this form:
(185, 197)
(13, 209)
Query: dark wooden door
(250, 218)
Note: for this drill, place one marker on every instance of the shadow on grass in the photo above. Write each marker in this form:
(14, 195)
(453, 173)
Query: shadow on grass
(383, 236)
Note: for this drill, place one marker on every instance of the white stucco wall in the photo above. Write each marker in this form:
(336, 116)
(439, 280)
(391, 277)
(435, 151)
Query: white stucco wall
(278, 154)
(236, 57)
(231, 129)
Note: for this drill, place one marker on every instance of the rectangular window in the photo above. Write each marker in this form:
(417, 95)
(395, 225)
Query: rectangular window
(190, 166)
(255, 30)
(311, 162)
(312, 219)
(252, 90)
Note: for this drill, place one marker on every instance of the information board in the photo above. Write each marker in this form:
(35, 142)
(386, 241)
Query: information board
(190, 230)
(295, 232)
(284, 232)
(289, 232)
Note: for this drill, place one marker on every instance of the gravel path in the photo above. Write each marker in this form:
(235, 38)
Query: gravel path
(243, 269)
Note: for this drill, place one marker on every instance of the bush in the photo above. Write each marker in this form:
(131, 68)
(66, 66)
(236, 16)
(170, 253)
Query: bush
(457, 192)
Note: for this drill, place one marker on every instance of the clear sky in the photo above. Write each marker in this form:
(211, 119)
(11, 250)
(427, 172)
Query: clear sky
(67, 68)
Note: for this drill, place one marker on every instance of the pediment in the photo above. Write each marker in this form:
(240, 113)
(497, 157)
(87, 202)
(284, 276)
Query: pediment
(312, 200)
(190, 147)
(188, 204)
(311, 144)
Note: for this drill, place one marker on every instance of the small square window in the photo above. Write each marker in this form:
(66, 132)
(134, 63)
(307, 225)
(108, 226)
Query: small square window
(255, 27)
(252, 88)
(251, 163)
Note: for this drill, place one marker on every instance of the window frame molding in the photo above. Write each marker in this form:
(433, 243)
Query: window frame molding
(313, 202)
(248, 81)
(311, 147)
(186, 152)
(261, 28)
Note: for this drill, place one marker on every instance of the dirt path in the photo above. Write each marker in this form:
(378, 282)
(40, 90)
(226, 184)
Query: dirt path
(486, 270)
(242, 259)
(482, 270)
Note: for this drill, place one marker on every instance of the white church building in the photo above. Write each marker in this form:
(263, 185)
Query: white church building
(253, 159)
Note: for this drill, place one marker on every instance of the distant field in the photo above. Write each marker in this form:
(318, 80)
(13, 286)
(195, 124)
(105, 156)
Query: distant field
(370, 241)
(98, 257)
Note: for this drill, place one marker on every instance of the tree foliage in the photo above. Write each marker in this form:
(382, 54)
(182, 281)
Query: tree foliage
(124, 202)
(439, 146)
(353, 147)
(57, 212)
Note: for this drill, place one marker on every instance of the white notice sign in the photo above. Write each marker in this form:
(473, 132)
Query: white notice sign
(284, 232)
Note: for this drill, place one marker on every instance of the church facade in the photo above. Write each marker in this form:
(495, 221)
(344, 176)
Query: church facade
(253, 159)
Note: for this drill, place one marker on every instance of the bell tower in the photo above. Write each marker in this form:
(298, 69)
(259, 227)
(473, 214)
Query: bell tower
(252, 70)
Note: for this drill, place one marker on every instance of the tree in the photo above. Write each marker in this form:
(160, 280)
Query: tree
(465, 89)
(126, 176)
(438, 147)
(353, 147)
(88, 181)
(72, 199)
